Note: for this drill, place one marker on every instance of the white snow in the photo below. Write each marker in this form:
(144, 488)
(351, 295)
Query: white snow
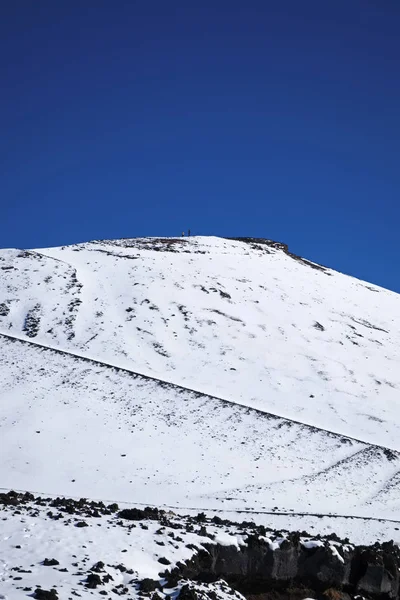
(336, 553)
(243, 322)
(168, 314)
(71, 427)
(312, 544)
(26, 540)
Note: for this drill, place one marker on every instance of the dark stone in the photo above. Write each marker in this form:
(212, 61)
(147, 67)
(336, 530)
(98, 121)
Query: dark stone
(4, 310)
(50, 562)
(149, 585)
(321, 566)
(224, 294)
(256, 568)
(187, 593)
(390, 455)
(136, 514)
(376, 572)
(32, 322)
(10, 499)
(92, 581)
(172, 580)
(40, 594)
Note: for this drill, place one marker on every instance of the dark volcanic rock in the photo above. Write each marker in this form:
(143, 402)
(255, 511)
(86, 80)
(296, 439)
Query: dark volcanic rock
(45, 594)
(81, 524)
(4, 310)
(12, 498)
(98, 567)
(376, 572)
(136, 514)
(93, 580)
(50, 562)
(187, 593)
(149, 585)
(32, 322)
(263, 244)
(256, 567)
(323, 566)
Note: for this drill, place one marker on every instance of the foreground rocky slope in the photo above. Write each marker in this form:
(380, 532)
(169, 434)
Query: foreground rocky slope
(62, 548)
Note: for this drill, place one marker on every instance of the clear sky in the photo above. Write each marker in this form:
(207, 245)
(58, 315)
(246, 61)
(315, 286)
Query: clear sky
(268, 118)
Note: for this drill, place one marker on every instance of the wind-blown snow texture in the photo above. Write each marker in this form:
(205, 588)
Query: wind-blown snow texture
(243, 321)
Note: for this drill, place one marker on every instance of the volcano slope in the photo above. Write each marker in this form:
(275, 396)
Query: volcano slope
(201, 373)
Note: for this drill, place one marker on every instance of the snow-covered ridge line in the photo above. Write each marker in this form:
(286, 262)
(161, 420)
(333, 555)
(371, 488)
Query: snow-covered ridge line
(256, 242)
(165, 383)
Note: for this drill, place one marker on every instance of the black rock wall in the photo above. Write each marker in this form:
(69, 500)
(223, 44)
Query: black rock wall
(256, 568)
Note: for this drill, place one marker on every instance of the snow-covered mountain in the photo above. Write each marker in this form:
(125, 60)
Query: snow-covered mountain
(202, 373)
(244, 321)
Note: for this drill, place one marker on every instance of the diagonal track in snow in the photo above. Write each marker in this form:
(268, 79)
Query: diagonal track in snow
(196, 509)
(240, 320)
(117, 433)
(204, 372)
(165, 383)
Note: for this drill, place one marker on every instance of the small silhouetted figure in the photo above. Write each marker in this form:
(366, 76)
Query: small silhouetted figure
(183, 234)
(188, 232)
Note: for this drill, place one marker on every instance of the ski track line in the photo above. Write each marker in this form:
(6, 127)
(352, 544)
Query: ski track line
(45, 495)
(165, 383)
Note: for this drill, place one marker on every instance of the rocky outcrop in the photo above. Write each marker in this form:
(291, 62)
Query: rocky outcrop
(263, 244)
(375, 570)
(251, 559)
(260, 565)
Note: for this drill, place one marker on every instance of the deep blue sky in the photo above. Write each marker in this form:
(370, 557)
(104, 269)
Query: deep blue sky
(276, 119)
